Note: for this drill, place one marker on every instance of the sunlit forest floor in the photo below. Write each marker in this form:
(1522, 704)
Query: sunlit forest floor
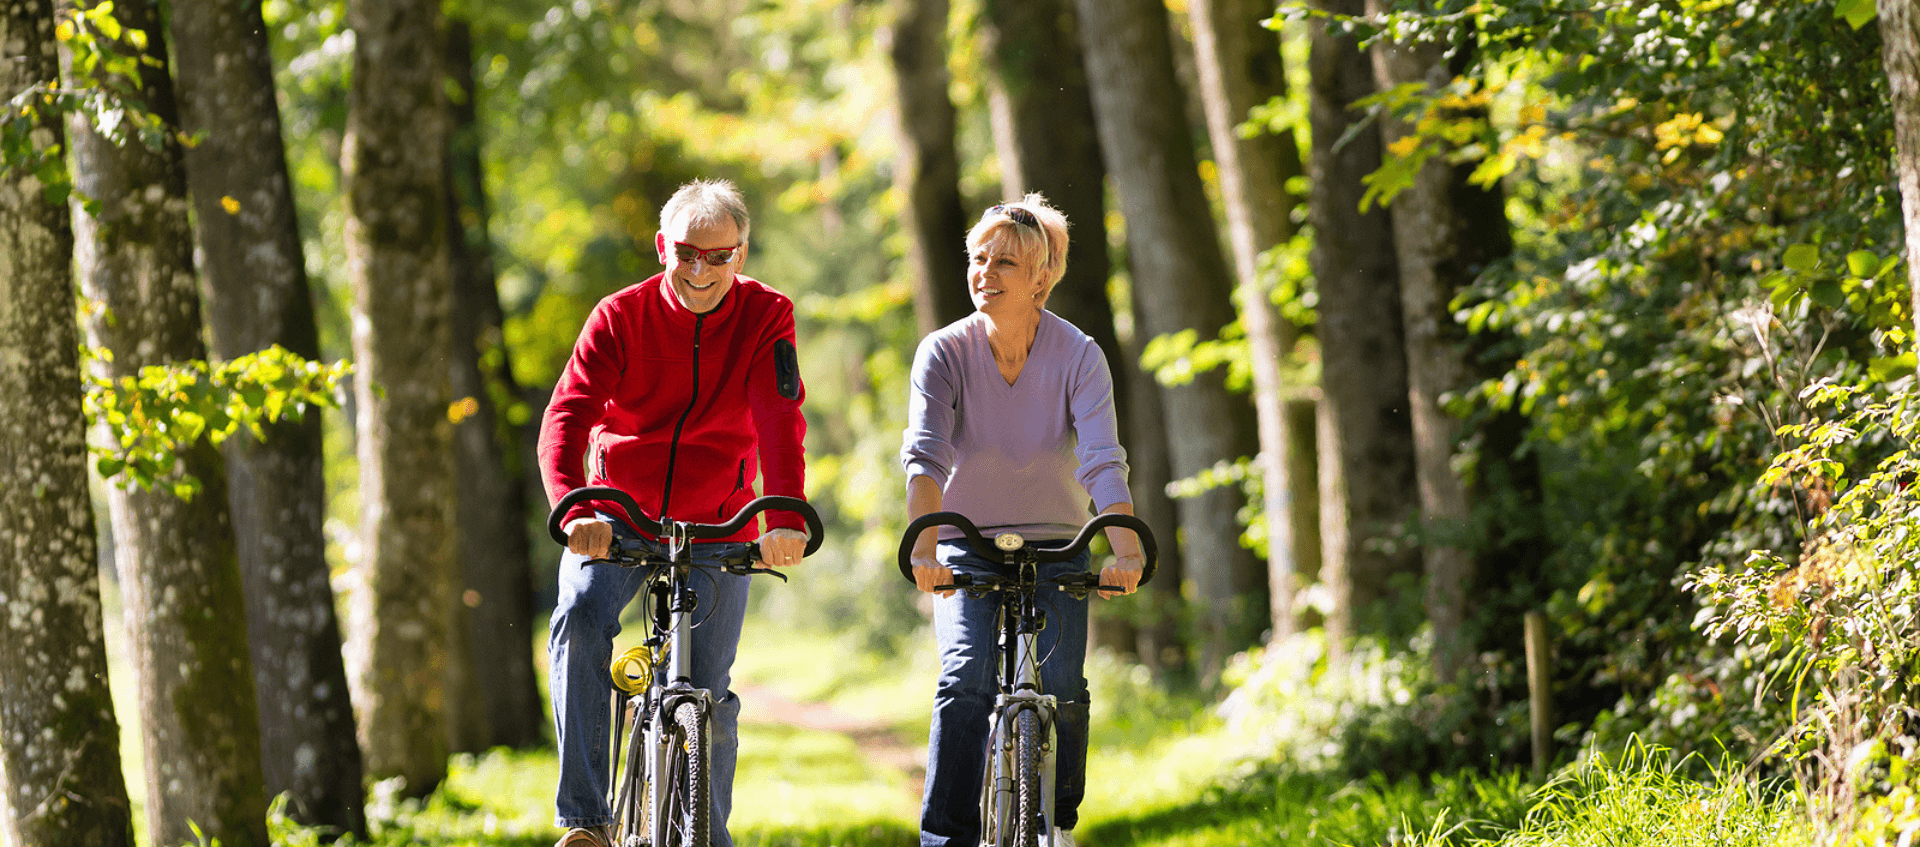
(833, 744)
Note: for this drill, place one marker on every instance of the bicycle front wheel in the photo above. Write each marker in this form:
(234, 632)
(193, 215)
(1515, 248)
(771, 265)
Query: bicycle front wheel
(630, 794)
(686, 808)
(1029, 753)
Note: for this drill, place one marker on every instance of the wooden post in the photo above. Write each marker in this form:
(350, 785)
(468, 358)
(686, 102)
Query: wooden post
(1540, 695)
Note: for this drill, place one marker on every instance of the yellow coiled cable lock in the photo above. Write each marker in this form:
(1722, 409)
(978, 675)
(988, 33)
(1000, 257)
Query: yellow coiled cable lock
(633, 670)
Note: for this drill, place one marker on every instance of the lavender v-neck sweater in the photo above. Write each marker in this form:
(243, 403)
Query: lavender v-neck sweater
(1024, 457)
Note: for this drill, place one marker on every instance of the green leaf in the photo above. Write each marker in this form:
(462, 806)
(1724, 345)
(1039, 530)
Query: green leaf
(1857, 13)
(1863, 263)
(1803, 258)
(1828, 293)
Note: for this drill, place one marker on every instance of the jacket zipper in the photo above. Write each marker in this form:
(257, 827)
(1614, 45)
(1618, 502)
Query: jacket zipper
(673, 448)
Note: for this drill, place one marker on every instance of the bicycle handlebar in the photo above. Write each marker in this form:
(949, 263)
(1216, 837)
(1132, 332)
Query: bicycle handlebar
(645, 523)
(997, 556)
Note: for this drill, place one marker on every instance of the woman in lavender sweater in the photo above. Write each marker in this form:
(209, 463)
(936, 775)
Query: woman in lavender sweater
(1010, 423)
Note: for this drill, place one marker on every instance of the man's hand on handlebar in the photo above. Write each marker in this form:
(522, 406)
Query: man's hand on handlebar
(589, 537)
(1124, 572)
(782, 548)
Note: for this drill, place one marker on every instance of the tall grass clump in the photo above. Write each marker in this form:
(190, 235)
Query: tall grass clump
(1839, 618)
(1644, 797)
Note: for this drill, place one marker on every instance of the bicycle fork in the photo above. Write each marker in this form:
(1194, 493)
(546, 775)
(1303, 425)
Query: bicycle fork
(1020, 648)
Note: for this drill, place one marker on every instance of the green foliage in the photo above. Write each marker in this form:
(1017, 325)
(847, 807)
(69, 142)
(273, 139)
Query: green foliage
(103, 58)
(150, 419)
(1837, 618)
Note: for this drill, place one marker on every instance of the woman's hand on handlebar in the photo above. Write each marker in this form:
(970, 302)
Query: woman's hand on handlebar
(589, 537)
(782, 548)
(929, 574)
(1124, 573)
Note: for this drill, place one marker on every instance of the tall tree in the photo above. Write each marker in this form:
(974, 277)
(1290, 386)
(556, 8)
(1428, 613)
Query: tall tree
(495, 557)
(1044, 138)
(1240, 67)
(1446, 230)
(1366, 441)
(1182, 283)
(60, 777)
(179, 572)
(396, 234)
(928, 165)
(1900, 55)
(254, 277)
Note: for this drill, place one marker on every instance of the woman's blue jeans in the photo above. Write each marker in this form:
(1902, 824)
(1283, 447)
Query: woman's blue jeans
(580, 648)
(967, 630)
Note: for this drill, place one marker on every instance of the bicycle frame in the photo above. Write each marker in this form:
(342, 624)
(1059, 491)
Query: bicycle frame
(1020, 691)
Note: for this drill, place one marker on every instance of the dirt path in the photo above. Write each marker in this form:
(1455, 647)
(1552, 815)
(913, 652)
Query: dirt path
(877, 741)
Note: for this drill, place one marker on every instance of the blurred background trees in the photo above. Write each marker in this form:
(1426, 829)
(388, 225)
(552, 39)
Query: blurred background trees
(1423, 316)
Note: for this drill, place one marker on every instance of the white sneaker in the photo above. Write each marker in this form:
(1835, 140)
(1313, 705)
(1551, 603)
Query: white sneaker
(1062, 837)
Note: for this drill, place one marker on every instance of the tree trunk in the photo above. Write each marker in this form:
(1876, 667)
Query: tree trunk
(1164, 634)
(1044, 137)
(495, 557)
(184, 605)
(60, 777)
(1240, 68)
(254, 276)
(928, 164)
(1900, 54)
(395, 178)
(1181, 283)
(1445, 232)
(1366, 442)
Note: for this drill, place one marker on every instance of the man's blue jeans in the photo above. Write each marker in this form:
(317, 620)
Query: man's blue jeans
(580, 648)
(967, 630)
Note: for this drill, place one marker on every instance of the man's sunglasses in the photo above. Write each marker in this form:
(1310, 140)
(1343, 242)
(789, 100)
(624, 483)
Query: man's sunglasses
(1015, 214)
(717, 256)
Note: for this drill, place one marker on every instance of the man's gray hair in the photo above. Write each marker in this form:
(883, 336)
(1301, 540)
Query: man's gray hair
(706, 202)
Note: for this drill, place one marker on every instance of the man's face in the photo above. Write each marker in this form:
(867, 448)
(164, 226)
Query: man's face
(689, 251)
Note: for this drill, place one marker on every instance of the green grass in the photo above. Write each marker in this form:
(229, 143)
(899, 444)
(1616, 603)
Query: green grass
(1163, 773)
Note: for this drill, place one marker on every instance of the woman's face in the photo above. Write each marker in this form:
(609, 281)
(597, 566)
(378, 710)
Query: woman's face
(1001, 279)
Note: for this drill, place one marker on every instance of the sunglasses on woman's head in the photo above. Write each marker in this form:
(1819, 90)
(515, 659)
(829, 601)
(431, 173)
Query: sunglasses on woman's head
(1016, 214)
(717, 256)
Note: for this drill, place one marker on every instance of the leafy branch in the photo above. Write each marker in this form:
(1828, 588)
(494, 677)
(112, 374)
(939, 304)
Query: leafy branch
(154, 417)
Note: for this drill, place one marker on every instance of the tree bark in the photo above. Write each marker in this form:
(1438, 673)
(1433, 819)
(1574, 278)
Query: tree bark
(1367, 476)
(1445, 232)
(397, 263)
(255, 281)
(1240, 68)
(928, 166)
(179, 572)
(60, 777)
(496, 558)
(1900, 54)
(1181, 282)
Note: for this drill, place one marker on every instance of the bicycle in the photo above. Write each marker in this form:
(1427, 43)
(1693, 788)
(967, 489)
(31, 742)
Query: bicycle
(659, 785)
(1016, 797)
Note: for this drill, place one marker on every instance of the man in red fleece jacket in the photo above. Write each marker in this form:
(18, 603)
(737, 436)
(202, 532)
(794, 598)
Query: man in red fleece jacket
(680, 390)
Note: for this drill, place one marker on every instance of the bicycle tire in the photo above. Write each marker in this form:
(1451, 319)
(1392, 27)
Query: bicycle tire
(1029, 807)
(630, 796)
(688, 811)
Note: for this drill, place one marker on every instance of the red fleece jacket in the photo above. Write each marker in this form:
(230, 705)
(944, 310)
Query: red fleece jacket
(680, 410)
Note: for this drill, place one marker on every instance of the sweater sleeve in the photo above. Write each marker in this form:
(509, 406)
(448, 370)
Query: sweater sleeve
(927, 448)
(579, 399)
(1103, 462)
(781, 429)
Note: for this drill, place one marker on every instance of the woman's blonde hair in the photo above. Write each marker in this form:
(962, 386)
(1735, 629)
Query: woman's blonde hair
(1040, 239)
